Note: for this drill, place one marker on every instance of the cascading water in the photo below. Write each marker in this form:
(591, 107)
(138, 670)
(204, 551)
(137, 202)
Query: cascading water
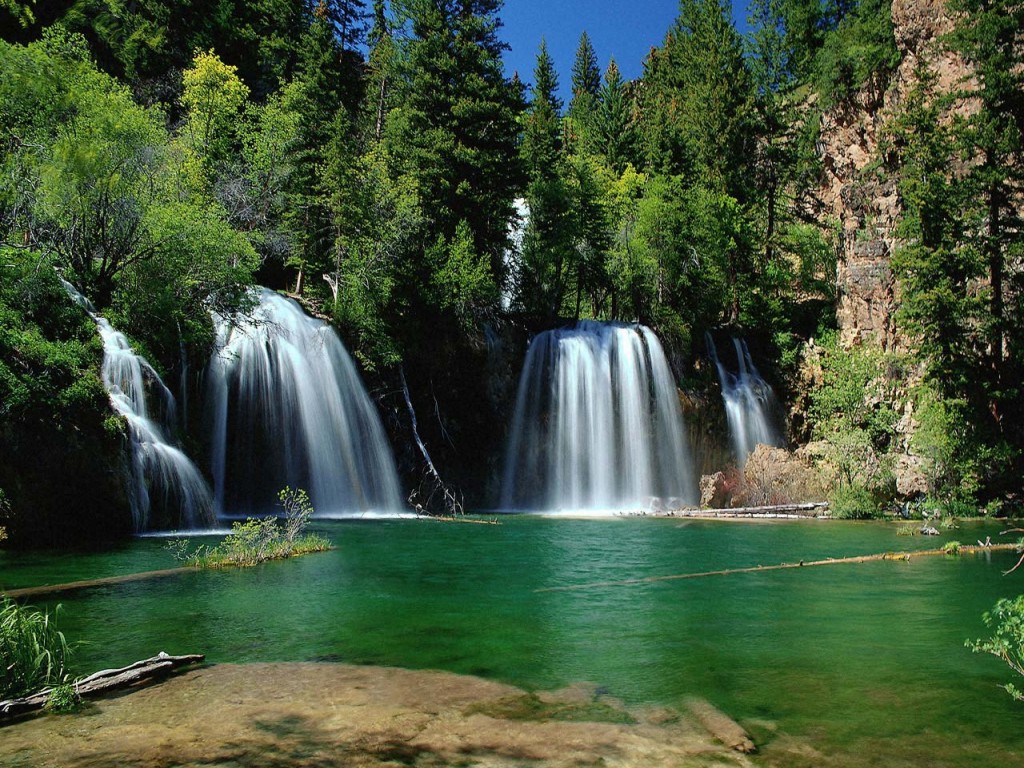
(749, 403)
(160, 471)
(286, 406)
(597, 424)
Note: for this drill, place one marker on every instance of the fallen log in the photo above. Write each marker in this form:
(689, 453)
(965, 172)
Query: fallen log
(813, 509)
(104, 681)
(965, 549)
(720, 726)
(103, 581)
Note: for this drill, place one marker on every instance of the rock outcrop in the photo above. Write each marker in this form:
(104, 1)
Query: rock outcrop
(864, 203)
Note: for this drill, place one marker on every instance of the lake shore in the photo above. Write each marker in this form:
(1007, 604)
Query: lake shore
(322, 714)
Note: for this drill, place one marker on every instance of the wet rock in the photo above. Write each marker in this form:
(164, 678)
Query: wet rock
(720, 726)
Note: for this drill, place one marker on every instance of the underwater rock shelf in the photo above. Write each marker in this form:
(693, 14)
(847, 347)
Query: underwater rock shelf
(104, 681)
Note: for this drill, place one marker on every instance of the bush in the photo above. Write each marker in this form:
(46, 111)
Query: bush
(63, 700)
(1007, 640)
(259, 539)
(852, 502)
(34, 653)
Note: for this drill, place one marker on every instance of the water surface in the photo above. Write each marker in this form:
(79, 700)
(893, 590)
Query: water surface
(867, 662)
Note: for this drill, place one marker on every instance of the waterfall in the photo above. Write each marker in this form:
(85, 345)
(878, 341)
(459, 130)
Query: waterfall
(286, 406)
(160, 473)
(597, 424)
(749, 403)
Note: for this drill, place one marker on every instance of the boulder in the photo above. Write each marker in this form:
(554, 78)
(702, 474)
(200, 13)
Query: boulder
(714, 492)
(911, 476)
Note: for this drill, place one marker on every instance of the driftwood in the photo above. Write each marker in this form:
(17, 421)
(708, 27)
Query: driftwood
(721, 726)
(50, 589)
(104, 681)
(432, 484)
(811, 509)
(965, 549)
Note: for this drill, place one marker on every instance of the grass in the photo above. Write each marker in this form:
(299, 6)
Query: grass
(34, 653)
(258, 540)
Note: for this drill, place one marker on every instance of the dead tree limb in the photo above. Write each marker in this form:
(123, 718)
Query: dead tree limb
(432, 483)
(104, 681)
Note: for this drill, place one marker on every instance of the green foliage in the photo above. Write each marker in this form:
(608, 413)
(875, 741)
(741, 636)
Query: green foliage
(952, 547)
(257, 540)
(212, 97)
(1006, 620)
(852, 500)
(853, 411)
(34, 652)
(63, 700)
(862, 49)
(54, 411)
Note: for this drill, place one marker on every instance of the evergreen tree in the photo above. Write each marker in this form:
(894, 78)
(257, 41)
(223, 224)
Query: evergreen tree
(613, 124)
(937, 268)
(586, 86)
(456, 133)
(697, 99)
(987, 34)
(548, 253)
(542, 134)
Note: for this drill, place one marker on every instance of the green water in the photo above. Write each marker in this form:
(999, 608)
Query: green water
(866, 662)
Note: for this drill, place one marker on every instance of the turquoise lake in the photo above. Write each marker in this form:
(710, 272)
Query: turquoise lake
(865, 662)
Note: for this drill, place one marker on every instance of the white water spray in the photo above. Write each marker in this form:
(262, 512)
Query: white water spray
(160, 471)
(749, 403)
(597, 425)
(286, 406)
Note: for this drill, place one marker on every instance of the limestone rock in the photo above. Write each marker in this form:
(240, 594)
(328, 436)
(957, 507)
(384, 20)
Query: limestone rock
(865, 203)
(713, 491)
(911, 475)
(776, 476)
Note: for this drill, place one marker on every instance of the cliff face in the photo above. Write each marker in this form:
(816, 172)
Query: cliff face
(863, 202)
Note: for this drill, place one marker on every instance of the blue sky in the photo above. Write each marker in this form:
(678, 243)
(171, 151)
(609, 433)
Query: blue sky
(625, 29)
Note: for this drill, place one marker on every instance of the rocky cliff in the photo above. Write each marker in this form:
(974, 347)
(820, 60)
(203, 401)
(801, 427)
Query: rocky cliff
(855, 195)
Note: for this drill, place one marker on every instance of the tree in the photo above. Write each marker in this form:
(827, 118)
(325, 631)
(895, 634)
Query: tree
(987, 35)
(548, 248)
(586, 86)
(937, 267)
(697, 100)
(456, 132)
(612, 126)
(213, 97)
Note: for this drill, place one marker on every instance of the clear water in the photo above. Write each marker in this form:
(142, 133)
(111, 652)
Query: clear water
(865, 662)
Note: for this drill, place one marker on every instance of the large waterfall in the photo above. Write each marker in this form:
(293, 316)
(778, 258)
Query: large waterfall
(162, 476)
(286, 406)
(749, 403)
(597, 425)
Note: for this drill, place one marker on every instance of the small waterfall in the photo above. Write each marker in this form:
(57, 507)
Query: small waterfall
(286, 406)
(749, 403)
(160, 472)
(597, 424)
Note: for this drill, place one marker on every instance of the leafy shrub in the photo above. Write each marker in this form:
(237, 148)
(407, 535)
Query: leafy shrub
(1007, 640)
(952, 547)
(63, 699)
(853, 501)
(34, 653)
(257, 540)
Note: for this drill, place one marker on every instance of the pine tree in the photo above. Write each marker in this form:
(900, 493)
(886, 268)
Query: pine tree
(457, 130)
(613, 125)
(548, 253)
(586, 86)
(987, 34)
(542, 134)
(937, 267)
